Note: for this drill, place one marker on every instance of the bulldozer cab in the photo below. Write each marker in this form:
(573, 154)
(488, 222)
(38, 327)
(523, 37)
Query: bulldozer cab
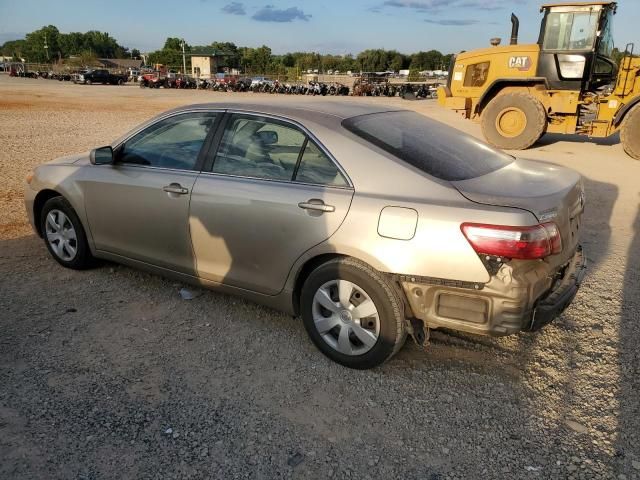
(576, 45)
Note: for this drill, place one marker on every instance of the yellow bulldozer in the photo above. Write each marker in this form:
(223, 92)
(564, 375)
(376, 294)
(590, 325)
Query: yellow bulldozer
(567, 82)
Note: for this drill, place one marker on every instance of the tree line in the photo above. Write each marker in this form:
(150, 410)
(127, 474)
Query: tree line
(59, 45)
(262, 60)
(94, 44)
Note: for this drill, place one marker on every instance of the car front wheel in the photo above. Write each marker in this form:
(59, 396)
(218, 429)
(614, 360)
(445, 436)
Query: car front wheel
(64, 235)
(352, 313)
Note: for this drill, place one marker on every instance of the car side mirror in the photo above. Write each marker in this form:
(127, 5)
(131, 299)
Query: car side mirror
(102, 156)
(268, 137)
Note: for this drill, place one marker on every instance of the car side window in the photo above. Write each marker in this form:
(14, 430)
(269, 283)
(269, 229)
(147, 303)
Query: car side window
(316, 167)
(174, 142)
(259, 147)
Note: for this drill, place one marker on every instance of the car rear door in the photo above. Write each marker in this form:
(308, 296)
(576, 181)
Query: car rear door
(138, 207)
(271, 192)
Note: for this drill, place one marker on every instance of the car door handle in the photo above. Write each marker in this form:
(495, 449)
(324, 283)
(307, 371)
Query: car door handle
(317, 205)
(175, 188)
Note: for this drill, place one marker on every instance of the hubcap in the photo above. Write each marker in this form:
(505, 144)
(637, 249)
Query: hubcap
(61, 235)
(345, 317)
(511, 122)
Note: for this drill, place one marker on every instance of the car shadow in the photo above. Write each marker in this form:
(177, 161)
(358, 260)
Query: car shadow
(627, 440)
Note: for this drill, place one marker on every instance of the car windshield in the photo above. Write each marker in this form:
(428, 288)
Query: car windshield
(428, 145)
(571, 30)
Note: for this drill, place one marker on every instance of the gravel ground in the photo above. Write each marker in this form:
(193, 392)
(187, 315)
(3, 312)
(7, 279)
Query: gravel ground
(108, 373)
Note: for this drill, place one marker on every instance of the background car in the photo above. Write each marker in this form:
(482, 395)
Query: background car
(368, 222)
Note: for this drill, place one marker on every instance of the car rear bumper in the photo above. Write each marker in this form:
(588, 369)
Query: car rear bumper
(562, 294)
(521, 296)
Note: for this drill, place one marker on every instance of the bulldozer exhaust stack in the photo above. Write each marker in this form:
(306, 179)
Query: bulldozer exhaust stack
(515, 27)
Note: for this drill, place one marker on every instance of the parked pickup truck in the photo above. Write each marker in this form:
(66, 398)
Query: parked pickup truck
(100, 76)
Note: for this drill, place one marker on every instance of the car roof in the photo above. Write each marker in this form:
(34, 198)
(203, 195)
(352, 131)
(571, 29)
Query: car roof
(320, 111)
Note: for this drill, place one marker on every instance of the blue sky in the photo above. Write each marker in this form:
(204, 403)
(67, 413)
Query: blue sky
(327, 26)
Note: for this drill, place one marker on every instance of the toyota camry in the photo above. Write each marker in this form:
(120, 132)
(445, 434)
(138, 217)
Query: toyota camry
(368, 222)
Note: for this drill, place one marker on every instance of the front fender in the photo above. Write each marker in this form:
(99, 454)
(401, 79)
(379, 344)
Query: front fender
(623, 110)
(61, 179)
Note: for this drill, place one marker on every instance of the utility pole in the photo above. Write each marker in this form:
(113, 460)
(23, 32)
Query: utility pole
(184, 60)
(46, 47)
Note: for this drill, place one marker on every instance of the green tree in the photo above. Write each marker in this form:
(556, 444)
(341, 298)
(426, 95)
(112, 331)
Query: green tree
(288, 60)
(431, 60)
(72, 43)
(35, 42)
(95, 44)
(13, 48)
(257, 60)
(228, 47)
(348, 63)
(446, 60)
(397, 61)
(173, 43)
(373, 60)
(230, 52)
(171, 53)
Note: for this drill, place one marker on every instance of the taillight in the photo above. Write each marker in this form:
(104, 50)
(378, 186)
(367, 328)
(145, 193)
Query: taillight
(524, 243)
(554, 237)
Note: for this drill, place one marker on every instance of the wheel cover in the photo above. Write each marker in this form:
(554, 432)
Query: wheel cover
(511, 122)
(345, 317)
(61, 235)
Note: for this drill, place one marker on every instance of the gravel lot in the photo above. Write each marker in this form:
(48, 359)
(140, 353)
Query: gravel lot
(108, 373)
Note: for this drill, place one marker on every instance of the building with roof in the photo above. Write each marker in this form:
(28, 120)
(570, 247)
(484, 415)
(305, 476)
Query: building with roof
(208, 64)
(120, 63)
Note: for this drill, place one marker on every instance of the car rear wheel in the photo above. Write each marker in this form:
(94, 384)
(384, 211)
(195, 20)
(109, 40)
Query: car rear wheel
(352, 314)
(514, 121)
(64, 235)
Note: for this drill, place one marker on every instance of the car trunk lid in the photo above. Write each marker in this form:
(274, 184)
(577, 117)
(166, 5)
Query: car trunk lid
(550, 192)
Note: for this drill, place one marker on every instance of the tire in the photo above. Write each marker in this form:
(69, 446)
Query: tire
(630, 132)
(58, 212)
(120, 82)
(384, 332)
(514, 121)
(87, 82)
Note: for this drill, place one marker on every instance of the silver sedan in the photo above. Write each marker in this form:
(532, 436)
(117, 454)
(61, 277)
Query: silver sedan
(370, 223)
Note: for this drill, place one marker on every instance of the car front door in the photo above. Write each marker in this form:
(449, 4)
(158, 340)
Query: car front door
(138, 207)
(271, 194)
(100, 76)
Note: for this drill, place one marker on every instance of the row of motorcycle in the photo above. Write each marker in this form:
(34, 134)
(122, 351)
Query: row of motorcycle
(311, 88)
(360, 88)
(407, 91)
(40, 74)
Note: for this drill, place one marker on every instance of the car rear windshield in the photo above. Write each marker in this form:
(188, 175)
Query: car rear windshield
(428, 145)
